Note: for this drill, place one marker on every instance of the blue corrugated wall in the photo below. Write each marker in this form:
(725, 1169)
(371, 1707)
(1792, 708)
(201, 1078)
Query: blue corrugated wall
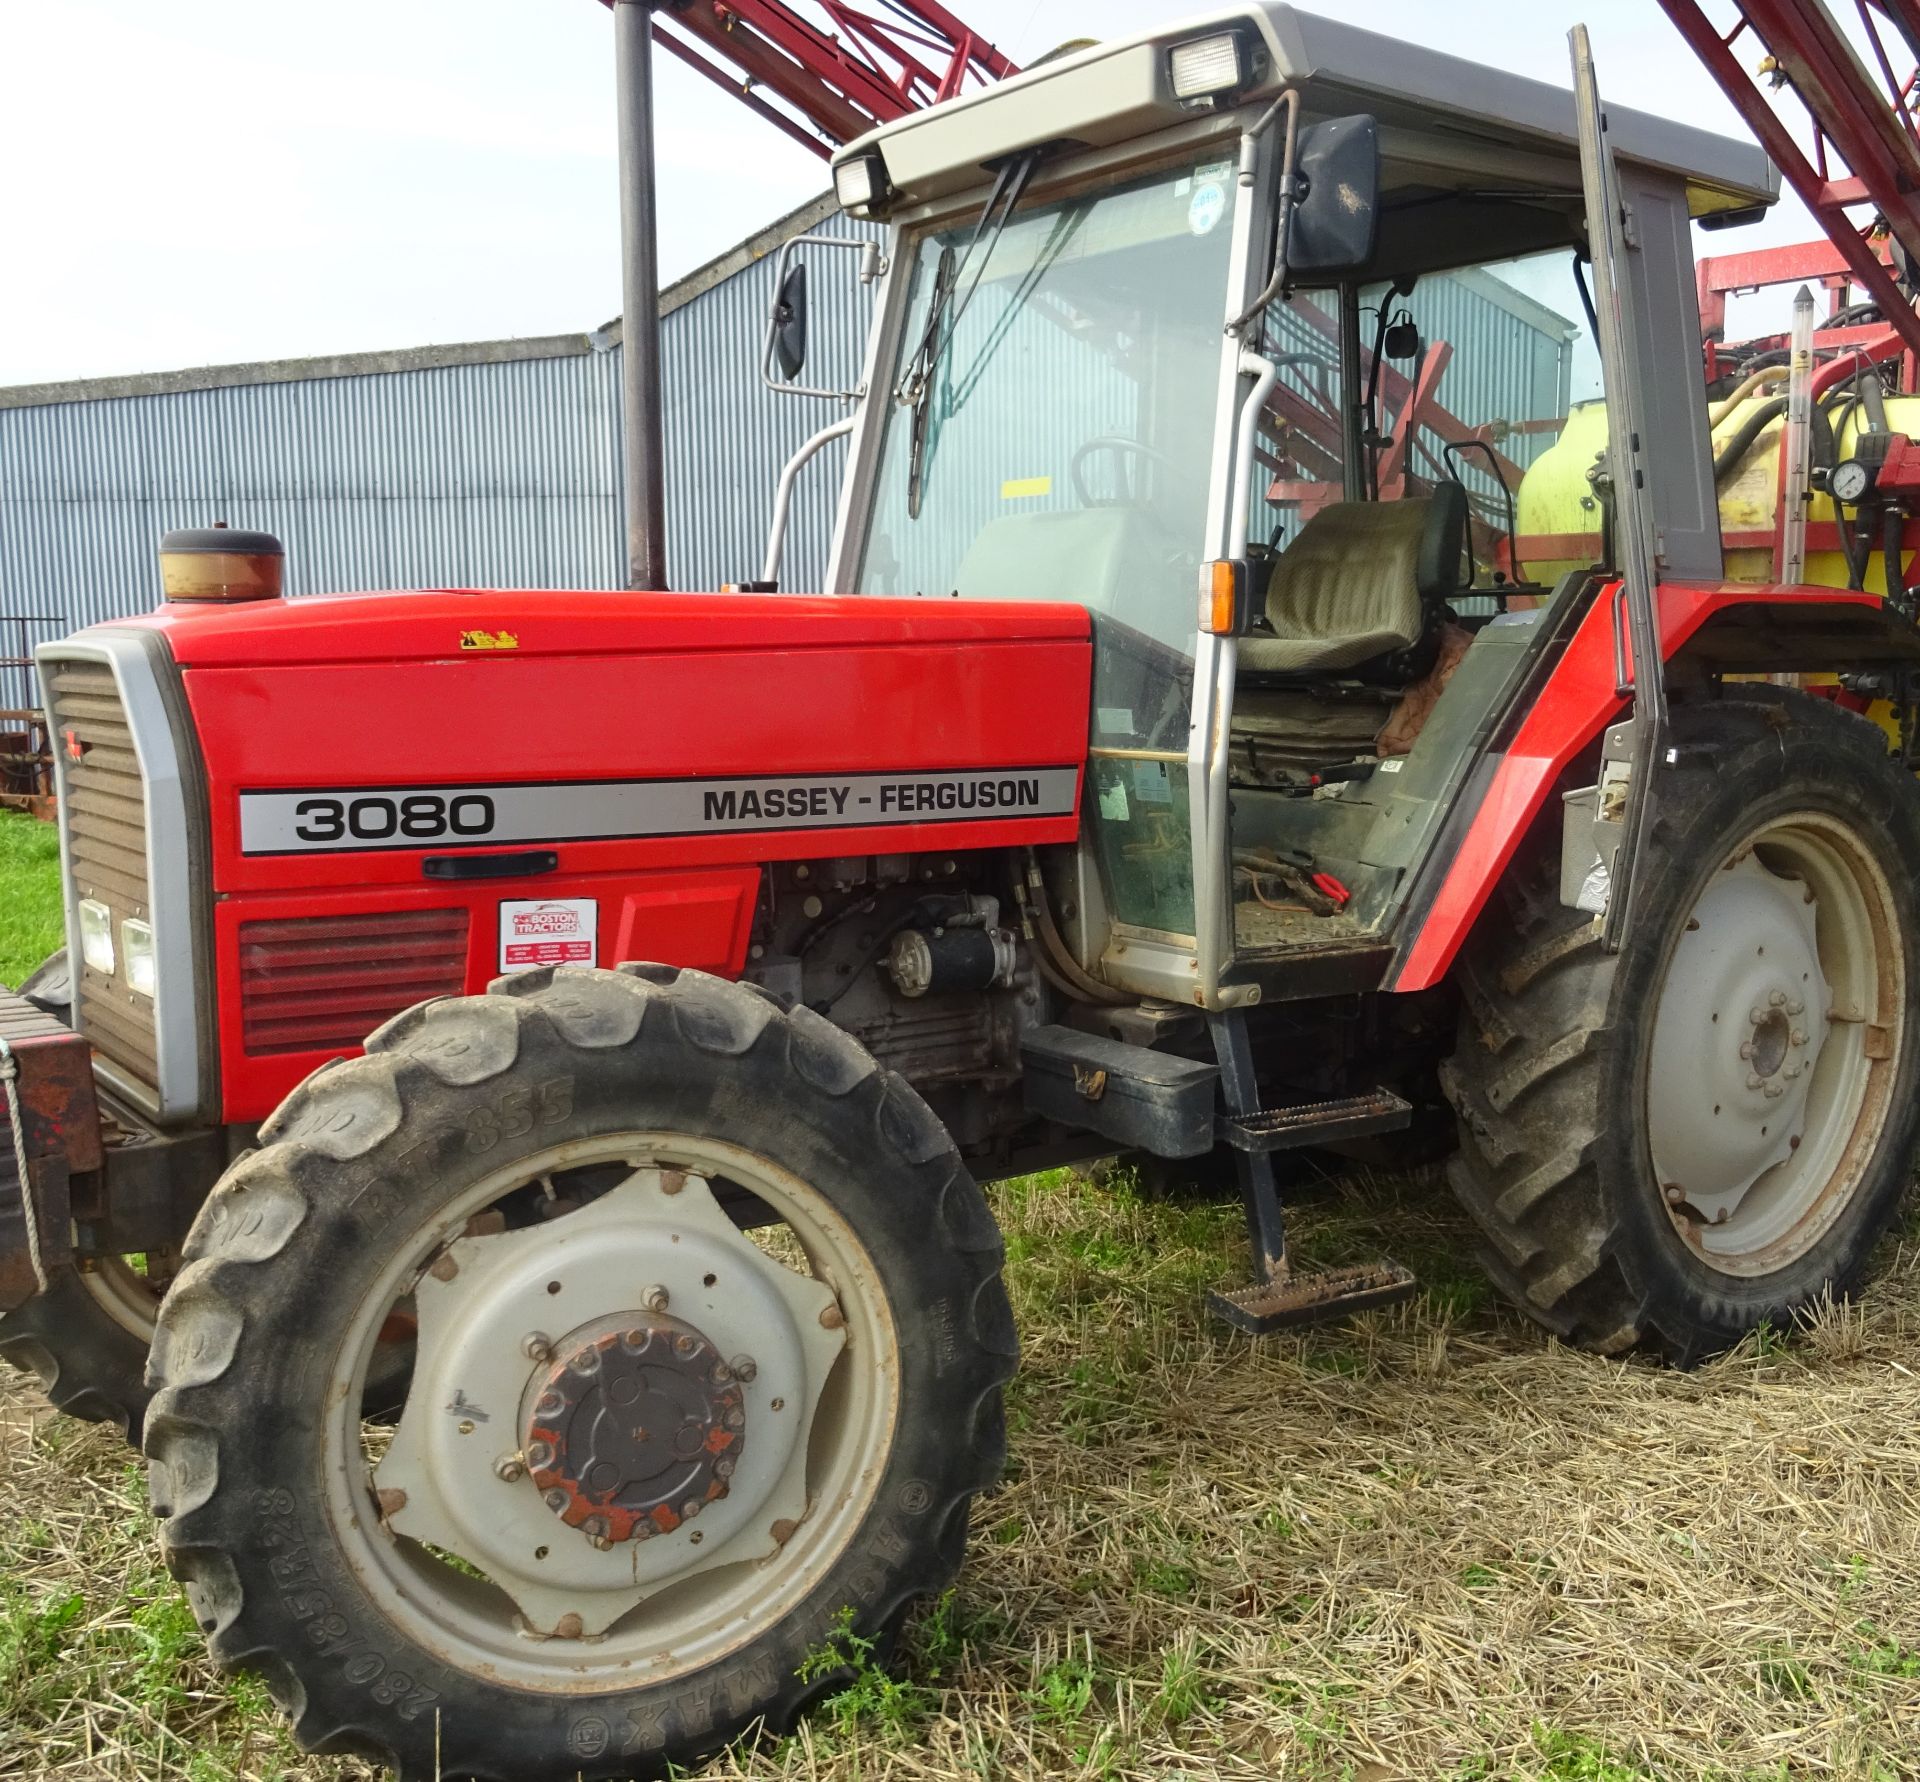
(495, 474)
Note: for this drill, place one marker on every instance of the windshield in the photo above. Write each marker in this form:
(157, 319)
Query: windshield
(1049, 435)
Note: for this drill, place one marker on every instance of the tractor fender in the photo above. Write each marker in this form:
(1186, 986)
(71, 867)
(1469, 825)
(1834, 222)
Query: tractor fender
(1725, 627)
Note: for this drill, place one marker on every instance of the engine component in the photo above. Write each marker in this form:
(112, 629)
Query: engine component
(925, 962)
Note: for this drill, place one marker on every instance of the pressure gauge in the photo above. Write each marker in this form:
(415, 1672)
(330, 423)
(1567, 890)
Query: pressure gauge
(1851, 480)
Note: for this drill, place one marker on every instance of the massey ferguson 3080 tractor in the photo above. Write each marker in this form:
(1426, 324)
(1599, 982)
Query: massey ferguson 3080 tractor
(546, 1045)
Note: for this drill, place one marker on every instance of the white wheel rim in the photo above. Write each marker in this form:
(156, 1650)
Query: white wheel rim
(1776, 1040)
(687, 1617)
(124, 1294)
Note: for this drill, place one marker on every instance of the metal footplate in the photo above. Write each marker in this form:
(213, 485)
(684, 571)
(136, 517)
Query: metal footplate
(1279, 1295)
(1315, 1122)
(1289, 1298)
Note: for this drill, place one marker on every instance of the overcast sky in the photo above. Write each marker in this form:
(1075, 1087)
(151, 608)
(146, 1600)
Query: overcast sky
(209, 181)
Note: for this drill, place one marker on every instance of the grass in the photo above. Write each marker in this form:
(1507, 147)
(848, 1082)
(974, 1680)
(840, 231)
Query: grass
(1426, 1543)
(30, 918)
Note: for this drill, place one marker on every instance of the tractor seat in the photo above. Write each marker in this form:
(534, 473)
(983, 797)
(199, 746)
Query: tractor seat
(1362, 581)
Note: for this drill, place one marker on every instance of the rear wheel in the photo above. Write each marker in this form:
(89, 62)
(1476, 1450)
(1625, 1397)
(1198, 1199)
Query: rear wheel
(1709, 1131)
(710, 1345)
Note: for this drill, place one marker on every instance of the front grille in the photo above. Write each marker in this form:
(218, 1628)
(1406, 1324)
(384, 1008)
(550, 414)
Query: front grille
(323, 983)
(103, 816)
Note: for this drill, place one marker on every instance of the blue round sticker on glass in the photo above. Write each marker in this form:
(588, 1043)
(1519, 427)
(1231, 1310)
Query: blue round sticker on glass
(1205, 209)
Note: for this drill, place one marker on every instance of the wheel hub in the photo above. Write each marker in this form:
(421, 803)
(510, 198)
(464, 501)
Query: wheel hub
(635, 1426)
(1737, 1033)
(632, 1426)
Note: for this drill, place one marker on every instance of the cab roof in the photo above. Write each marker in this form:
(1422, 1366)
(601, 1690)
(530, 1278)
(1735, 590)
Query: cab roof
(1116, 92)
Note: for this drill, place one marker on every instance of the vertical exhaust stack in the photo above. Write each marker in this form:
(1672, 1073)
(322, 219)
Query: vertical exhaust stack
(645, 483)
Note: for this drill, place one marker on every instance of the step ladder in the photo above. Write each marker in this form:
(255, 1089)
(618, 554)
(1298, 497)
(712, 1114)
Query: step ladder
(1280, 1295)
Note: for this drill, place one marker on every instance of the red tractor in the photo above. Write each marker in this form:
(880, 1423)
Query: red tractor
(545, 1047)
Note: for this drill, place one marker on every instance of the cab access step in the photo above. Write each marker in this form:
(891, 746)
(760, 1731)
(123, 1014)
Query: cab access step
(1154, 1101)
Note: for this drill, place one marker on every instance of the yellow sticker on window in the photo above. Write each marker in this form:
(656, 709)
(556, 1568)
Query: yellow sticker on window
(1022, 486)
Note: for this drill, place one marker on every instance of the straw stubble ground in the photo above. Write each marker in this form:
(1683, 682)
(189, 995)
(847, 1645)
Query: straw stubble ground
(1430, 1543)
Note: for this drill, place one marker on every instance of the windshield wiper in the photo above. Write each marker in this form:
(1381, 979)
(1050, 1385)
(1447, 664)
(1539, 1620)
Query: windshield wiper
(916, 380)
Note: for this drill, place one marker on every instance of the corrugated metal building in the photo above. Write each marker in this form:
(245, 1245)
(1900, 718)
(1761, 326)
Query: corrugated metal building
(494, 464)
(499, 463)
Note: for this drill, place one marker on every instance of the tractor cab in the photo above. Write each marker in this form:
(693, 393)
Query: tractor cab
(1242, 334)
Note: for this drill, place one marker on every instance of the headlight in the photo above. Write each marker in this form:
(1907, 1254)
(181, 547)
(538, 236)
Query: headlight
(96, 935)
(1209, 66)
(861, 183)
(136, 941)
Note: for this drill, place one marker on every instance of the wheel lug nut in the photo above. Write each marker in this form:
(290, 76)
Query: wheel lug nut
(1754, 1080)
(551, 1404)
(538, 1454)
(1799, 1036)
(635, 1340)
(586, 1362)
(1676, 1195)
(744, 1367)
(1756, 1017)
(556, 1499)
(1796, 1006)
(685, 1343)
(690, 1509)
(537, 1346)
(1775, 1090)
(832, 1318)
(723, 1467)
(1746, 1048)
(509, 1467)
(654, 1299)
(1776, 999)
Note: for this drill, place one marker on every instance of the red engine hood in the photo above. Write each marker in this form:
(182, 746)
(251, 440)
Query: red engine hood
(451, 624)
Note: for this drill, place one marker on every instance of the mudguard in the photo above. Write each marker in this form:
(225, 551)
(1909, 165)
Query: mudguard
(1728, 627)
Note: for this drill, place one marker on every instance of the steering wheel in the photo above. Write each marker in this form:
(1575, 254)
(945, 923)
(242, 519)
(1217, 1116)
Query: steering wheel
(1122, 451)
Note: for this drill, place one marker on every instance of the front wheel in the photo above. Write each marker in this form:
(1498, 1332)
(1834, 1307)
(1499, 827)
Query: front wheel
(1709, 1131)
(710, 1341)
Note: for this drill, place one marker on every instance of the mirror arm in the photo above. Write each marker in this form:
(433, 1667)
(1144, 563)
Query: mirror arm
(1283, 215)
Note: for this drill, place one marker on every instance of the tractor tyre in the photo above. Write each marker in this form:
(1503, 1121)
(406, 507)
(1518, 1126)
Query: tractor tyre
(711, 1341)
(1708, 1131)
(86, 1338)
(49, 987)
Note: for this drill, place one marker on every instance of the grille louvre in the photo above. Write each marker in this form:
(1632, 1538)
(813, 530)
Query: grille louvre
(323, 983)
(103, 815)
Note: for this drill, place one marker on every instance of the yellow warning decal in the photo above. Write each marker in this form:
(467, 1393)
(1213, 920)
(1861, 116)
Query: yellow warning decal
(1023, 486)
(488, 640)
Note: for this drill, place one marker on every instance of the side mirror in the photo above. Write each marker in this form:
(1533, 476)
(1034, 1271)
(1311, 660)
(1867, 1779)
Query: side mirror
(790, 321)
(1336, 209)
(783, 352)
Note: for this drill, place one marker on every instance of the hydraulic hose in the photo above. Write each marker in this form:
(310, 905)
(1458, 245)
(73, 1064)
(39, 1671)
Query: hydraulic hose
(1741, 442)
(1076, 982)
(1770, 374)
